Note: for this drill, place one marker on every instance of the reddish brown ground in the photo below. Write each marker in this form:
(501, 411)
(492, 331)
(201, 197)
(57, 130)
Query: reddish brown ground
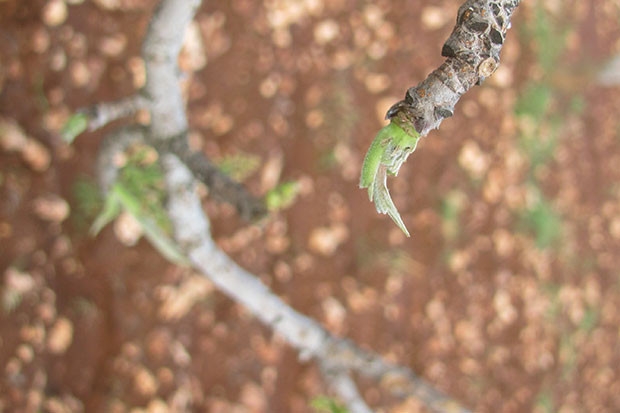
(470, 302)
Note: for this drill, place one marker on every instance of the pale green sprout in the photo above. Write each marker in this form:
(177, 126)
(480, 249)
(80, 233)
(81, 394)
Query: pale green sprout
(386, 154)
(138, 190)
(119, 198)
(75, 125)
(327, 405)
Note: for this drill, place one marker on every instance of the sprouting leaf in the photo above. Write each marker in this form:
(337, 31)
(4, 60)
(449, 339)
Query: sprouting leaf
(282, 196)
(139, 191)
(111, 209)
(75, 125)
(386, 154)
(239, 166)
(153, 232)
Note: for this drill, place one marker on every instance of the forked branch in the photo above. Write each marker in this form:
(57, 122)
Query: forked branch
(473, 54)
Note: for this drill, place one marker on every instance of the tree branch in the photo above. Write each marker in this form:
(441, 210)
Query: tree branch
(221, 187)
(101, 114)
(312, 341)
(168, 128)
(113, 144)
(337, 357)
(472, 52)
(160, 51)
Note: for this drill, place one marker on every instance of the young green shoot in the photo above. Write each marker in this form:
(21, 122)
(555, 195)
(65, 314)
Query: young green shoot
(74, 126)
(387, 152)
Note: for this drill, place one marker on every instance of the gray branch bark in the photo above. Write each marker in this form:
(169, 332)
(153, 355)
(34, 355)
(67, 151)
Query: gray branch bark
(103, 113)
(160, 51)
(472, 53)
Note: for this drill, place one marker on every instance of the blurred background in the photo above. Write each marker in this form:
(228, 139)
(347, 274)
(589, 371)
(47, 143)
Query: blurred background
(507, 295)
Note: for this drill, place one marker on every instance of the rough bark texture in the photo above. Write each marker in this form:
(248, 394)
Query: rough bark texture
(472, 52)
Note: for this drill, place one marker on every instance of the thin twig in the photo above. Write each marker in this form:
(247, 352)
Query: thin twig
(168, 126)
(101, 114)
(221, 187)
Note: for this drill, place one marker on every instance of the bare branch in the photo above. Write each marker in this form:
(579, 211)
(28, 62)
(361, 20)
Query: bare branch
(101, 114)
(472, 52)
(398, 380)
(189, 223)
(160, 51)
(221, 187)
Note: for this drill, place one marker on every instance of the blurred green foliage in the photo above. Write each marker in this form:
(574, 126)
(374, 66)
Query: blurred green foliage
(239, 166)
(74, 126)
(88, 201)
(451, 207)
(282, 196)
(325, 404)
(544, 402)
(543, 221)
(541, 111)
(139, 190)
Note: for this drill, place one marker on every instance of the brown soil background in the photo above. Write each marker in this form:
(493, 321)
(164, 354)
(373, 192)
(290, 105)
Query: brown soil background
(507, 295)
